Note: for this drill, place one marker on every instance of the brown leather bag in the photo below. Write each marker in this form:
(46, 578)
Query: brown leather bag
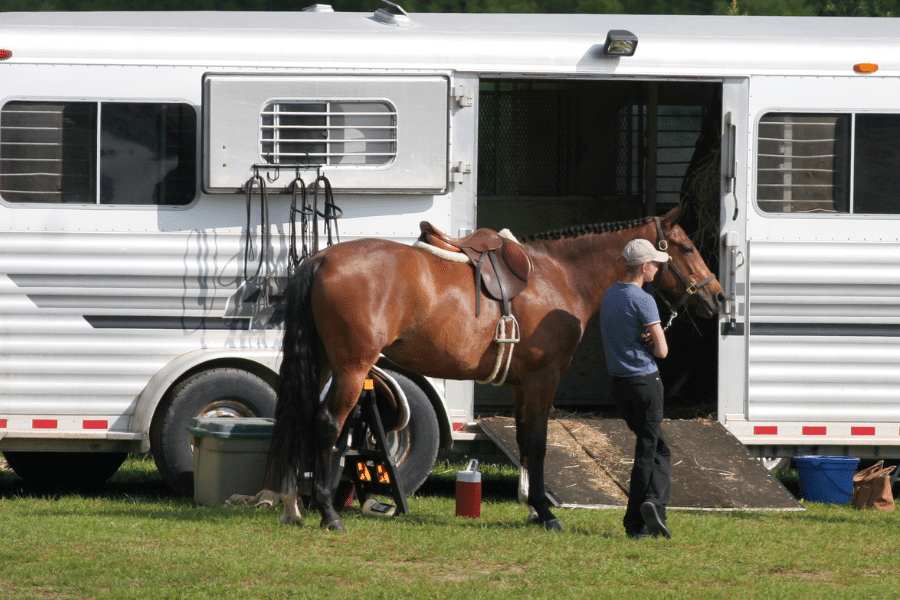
(872, 488)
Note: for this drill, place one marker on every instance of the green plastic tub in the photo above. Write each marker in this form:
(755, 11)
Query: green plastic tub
(229, 457)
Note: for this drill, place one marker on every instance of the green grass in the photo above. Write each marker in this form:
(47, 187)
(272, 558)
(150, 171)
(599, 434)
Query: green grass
(134, 539)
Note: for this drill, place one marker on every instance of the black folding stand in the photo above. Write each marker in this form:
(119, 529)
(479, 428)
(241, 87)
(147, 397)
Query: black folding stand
(371, 470)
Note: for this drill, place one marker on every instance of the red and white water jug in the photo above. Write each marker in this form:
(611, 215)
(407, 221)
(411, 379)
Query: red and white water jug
(468, 491)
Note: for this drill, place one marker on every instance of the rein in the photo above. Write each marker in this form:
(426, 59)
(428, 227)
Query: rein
(309, 213)
(263, 266)
(690, 288)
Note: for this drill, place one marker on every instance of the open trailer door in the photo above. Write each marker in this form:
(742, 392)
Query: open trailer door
(821, 258)
(732, 264)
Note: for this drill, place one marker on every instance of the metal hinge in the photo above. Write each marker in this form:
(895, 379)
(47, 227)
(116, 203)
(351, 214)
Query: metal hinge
(460, 169)
(462, 96)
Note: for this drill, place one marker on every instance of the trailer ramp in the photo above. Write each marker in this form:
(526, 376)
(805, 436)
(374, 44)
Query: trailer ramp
(589, 461)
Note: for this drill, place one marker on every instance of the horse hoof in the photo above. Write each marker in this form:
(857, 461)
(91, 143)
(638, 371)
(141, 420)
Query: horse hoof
(298, 521)
(335, 525)
(553, 525)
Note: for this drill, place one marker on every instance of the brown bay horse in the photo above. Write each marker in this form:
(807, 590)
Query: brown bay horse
(355, 301)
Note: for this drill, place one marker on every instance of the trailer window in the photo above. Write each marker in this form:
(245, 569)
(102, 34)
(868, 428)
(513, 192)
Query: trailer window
(804, 163)
(98, 153)
(876, 164)
(328, 133)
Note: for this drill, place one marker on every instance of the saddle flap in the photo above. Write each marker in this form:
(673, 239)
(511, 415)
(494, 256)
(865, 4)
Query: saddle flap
(514, 265)
(518, 261)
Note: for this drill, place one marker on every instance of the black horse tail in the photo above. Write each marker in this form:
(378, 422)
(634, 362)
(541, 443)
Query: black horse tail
(293, 433)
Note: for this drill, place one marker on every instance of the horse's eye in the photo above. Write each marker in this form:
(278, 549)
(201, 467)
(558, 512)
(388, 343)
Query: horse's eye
(687, 249)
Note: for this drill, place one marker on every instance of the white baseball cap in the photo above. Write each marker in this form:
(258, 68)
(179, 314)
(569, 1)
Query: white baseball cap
(639, 252)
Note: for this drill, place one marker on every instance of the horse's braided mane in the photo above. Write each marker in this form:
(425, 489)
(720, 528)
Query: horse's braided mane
(580, 230)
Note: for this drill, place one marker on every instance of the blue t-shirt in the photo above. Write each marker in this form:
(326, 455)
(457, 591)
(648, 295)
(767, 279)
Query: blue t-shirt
(625, 313)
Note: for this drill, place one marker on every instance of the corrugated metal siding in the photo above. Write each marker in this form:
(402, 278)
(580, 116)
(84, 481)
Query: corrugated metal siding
(54, 362)
(824, 339)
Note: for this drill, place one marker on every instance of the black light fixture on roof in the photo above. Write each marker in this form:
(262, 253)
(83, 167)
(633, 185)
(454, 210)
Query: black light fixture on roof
(620, 42)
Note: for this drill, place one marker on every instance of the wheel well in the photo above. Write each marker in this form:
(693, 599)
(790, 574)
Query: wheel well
(260, 370)
(271, 378)
(439, 409)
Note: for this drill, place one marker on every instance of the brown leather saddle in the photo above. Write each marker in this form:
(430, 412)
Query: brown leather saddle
(502, 265)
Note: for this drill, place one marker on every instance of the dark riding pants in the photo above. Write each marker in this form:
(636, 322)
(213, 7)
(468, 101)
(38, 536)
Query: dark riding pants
(640, 401)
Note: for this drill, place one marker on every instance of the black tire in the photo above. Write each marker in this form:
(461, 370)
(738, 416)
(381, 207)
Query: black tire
(65, 470)
(217, 392)
(415, 447)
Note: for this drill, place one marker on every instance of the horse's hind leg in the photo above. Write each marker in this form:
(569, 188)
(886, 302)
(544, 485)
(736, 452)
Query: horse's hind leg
(291, 514)
(342, 398)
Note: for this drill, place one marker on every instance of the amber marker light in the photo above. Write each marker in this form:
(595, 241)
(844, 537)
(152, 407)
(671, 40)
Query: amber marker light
(865, 67)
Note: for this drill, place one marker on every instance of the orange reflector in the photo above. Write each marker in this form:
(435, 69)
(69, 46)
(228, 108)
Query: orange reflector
(4, 54)
(865, 67)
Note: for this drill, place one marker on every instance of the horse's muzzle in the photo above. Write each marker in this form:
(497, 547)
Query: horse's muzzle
(708, 302)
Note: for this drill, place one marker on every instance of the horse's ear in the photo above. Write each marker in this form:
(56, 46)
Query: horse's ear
(674, 216)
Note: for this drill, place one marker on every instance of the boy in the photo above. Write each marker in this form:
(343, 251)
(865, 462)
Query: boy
(633, 338)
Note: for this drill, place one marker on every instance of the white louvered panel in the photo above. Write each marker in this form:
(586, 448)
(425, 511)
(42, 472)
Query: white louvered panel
(824, 331)
(53, 361)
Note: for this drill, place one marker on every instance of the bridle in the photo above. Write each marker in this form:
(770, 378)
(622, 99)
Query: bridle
(690, 288)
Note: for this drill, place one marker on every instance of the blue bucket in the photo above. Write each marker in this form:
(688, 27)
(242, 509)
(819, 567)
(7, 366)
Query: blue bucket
(826, 478)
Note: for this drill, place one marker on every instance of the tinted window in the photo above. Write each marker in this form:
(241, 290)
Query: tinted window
(146, 154)
(877, 164)
(804, 160)
(803, 163)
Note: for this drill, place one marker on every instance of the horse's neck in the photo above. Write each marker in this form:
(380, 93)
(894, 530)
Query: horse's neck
(591, 262)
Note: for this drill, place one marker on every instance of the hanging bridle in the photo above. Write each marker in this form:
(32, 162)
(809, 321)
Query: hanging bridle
(690, 288)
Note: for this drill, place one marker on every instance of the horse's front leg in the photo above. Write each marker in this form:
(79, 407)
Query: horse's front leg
(532, 409)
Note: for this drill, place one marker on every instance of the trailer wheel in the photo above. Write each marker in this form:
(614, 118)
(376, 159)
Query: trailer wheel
(65, 469)
(214, 393)
(414, 448)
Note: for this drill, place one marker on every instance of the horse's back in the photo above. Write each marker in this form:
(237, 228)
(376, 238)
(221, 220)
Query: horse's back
(381, 278)
(377, 296)
(384, 266)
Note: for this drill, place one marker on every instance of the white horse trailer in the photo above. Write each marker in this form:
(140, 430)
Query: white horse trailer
(128, 238)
